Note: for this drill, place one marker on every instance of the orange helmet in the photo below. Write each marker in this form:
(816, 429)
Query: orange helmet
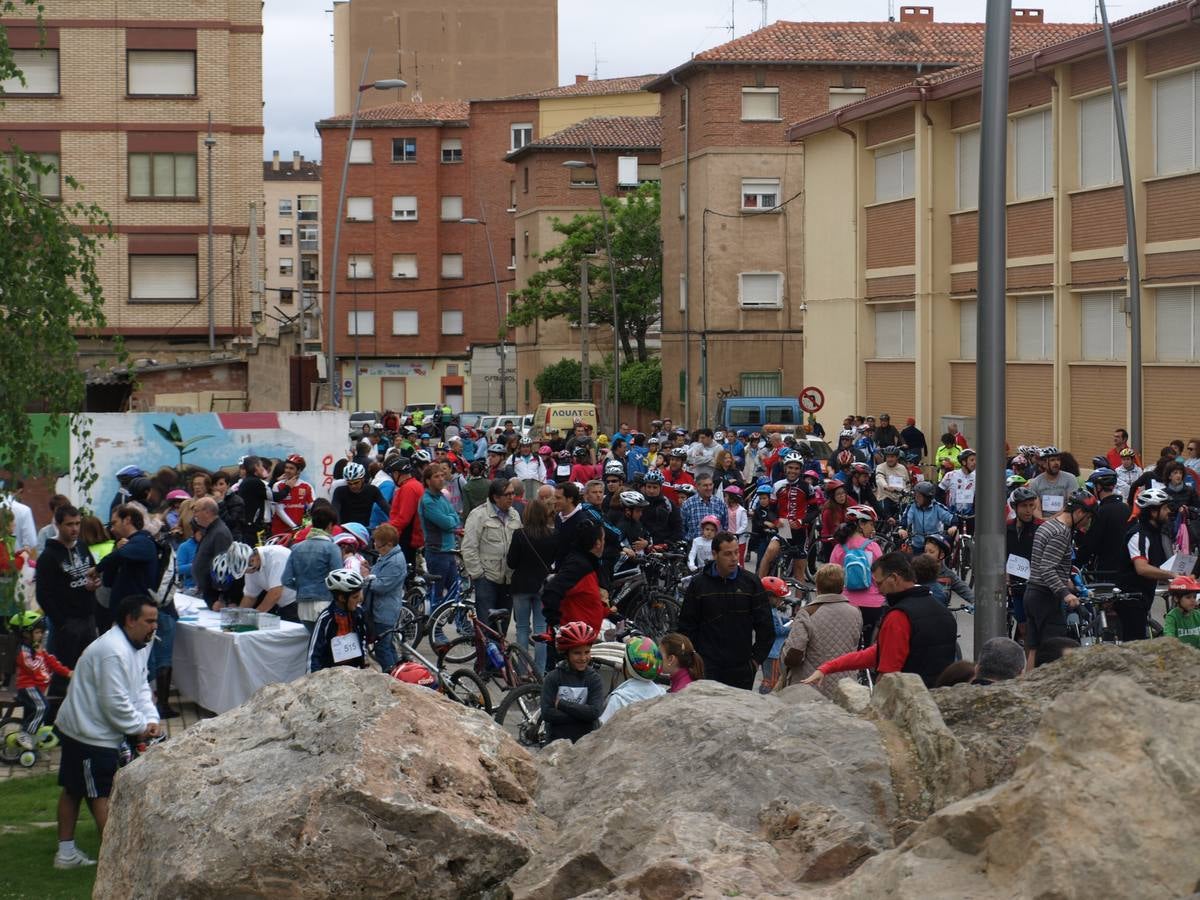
(575, 634)
(776, 586)
(1184, 584)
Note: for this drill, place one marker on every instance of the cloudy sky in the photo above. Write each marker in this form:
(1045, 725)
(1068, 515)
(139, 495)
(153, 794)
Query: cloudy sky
(630, 37)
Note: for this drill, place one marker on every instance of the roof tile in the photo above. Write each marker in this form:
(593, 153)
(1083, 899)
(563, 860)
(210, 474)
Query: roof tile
(442, 111)
(593, 87)
(603, 133)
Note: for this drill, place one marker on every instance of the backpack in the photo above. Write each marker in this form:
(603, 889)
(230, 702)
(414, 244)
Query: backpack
(164, 593)
(857, 565)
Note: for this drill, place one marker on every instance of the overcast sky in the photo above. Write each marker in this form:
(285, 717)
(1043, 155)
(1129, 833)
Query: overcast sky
(630, 37)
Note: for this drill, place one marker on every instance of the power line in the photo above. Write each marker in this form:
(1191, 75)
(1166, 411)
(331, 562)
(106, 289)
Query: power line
(431, 290)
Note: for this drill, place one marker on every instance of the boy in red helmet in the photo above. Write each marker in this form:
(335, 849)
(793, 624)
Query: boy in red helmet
(573, 694)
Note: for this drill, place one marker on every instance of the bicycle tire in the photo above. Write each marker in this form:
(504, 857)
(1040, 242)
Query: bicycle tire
(523, 667)
(1154, 628)
(442, 626)
(458, 652)
(526, 700)
(416, 599)
(656, 615)
(408, 629)
(474, 697)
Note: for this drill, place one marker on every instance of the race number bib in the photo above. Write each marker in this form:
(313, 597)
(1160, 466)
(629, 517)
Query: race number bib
(572, 694)
(896, 481)
(345, 647)
(1017, 566)
(1052, 503)
(965, 496)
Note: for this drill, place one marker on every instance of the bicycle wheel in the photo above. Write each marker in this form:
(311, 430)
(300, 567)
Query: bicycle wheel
(448, 623)
(416, 599)
(458, 652)
(656, 616)
(524, 669)
(520, 713)
(408, 629)
(467, 688)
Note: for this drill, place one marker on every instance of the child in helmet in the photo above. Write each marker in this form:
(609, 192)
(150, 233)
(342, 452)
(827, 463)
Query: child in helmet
(777, 591)
(1183, 620)
(739, 521)
(339, 636)
(34, 667)
(643, 663)
(573, 692)
(702, 554)
(349, 544)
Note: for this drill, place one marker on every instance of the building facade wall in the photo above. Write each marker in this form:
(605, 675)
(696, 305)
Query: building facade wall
(295, 296)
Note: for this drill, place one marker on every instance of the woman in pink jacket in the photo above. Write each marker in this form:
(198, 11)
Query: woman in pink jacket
(855, 550)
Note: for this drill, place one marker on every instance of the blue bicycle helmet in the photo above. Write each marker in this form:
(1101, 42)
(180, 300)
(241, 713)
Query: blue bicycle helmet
(763, 489)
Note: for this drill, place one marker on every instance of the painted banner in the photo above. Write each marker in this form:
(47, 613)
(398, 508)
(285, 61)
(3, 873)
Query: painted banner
(210, 441)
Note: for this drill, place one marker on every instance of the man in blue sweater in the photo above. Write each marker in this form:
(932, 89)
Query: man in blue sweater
(131, 569)
(439, 522)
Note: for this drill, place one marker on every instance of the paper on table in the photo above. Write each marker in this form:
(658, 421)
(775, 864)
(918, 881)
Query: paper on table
(1017, 566)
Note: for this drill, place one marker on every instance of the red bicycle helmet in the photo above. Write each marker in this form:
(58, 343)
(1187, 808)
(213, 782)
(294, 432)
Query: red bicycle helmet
(415, 673)
(575, 634)
(296, 460)
(776, 586)
(862, 513)
(845, 458)
(1184, 584)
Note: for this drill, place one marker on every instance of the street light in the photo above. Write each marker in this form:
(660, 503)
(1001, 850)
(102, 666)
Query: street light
(501, 324)
(385, 84)
(612, 281)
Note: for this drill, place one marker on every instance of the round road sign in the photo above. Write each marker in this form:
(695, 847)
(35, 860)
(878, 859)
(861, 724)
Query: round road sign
(812, 399)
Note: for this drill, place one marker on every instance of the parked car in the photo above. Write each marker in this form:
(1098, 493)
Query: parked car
(363, 417)
(470, 419)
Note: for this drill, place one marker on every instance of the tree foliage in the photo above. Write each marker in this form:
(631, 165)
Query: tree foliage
(560, 381)
(49, 287)
(553, 290)
(641, 384)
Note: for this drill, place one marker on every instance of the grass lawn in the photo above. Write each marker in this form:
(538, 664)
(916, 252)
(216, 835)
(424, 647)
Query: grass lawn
(29, 840)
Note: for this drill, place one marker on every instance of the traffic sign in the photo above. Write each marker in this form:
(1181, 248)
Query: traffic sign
(812, 399)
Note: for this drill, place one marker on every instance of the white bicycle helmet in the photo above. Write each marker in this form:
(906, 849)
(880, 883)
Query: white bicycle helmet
(1047, 452)
(862, 513)
(614, 468)
(354, 472)
(344, 581)
(422, 456)
(847, 433)
(237, 558)
(497, 449)
(1151, 498)
(684, 489)
(793, 456)
(633, 500)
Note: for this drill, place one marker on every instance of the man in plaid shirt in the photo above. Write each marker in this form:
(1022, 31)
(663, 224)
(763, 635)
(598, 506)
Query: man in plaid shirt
(702, 504)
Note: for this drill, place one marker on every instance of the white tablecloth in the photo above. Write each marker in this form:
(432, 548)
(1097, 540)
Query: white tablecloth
(219, 669)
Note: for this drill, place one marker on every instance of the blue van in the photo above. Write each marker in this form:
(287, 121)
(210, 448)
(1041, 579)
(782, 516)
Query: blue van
(755, 413)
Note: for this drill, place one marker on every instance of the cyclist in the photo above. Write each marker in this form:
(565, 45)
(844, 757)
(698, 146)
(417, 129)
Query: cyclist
(761, 517)
(633, 530)
(674, 475)
(573, 692)
(1150, 546)
(1183, 619)
(959, 485)
(1019, 550)
(339, 636)
(939, 547)
(794, 509)
(1127, 473)
(355, 500)
(643, 662)
(855, 551)
(924, 517)
(833, 514)
(860, 487)
(892, 479)
(946, 458)
(661, 517)
(1053, 486)
(1105, 546)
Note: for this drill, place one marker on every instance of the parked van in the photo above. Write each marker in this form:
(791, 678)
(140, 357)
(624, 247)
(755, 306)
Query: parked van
(756, 413)
(562, 416)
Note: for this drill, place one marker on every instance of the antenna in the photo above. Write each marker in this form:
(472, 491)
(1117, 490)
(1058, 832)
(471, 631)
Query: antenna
(416, 94)
(596, 60)
(764, 12)
(731, 27)
(891, 10)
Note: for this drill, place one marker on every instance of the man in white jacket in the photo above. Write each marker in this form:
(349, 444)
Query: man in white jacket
(108, 698)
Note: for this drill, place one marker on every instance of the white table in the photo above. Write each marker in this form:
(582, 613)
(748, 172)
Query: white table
(219, 669)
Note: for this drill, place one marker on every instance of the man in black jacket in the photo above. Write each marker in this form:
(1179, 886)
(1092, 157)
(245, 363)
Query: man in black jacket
(217, 538)
(1104, 546)
(661, 518)
(728, 617)
(66, 594)
(131, 569)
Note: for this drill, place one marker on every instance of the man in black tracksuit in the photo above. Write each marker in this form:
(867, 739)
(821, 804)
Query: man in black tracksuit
(728, 617)
(661, 518)
(65, 594)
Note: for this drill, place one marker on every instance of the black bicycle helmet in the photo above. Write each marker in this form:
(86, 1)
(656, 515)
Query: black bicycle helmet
(1082, 499)
(1021, 494)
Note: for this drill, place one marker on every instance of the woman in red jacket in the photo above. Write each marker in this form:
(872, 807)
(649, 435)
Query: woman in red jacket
(576, 591)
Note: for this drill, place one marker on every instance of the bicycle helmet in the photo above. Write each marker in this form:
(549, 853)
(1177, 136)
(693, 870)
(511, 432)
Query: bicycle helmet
(279, 540)
(941, 542)
(27, 621)
(679, 453)
(1047, 452)
(684, 490)
(574, 634)
(1184, 584)
(1104, 477)
(578, 452)
(354, 472)
(400, 466)
(654, 477)
(793, 456)
(296, 460)
(563, 455)
(1027, 450)
(777, 586)
(499, 450)
(1085, 500)
(862, 513)
(966, 452)
(1151, 498)
(347, 538)
(344, 581)
(237, 558)
(359, 531)
(1022, 494)
(860, 468)
(891, 451)
(1019, 462)
(614, 468)
(733, 489)
(633, 500)
(711, 520)
(845, 434)
(845, 458)
(422, 456)
(177, 494)
(1015, 481)
(924, 488)
(415, 674)
(643, 658)
(829, 485)
(1099, 462)
(763, 489)
(544, 450)
(1128, 453)
(130, 472)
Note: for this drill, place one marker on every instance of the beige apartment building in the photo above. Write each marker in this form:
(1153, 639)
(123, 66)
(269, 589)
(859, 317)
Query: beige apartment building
(734, 203)
(444, 49)
(292, 219)
(890, 255)
(120, 98)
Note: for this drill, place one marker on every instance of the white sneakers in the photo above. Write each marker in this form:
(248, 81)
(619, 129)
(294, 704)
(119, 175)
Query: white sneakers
(73, 860)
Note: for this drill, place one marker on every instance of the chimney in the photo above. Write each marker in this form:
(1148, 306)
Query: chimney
(297, 159)
(916, 14)
(581, 79)
(1028, 16)
(275, 161)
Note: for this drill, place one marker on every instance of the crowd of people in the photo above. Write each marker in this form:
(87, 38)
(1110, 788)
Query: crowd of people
(539, 527)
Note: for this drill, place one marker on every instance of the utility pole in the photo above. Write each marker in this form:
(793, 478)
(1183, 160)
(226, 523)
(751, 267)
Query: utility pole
(256, 281)
(585, 368)
(209, 143)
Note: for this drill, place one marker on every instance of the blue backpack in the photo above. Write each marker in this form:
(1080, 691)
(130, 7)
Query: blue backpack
(857, 565)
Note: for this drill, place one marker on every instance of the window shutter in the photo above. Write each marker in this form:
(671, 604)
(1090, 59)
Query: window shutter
(1032, 146)
(1176, 323)
(40, 68)
(760, 103)
(968, 311)
(359, 266)
(1175, 103)
(968, 170)
(360, 151)
(889, 339)
(889, 177)
(452, 208)
(404, 207)
(760, 290)
(1097, 338)
(627, 171)
(359, 209)
(162, 278)
(405, 321)
(452, 321)
(1032, 333)
(649, 172)
(839, 97)
(161, 72)
(452, 265)
(361, 321)
(404, 265)
(139, 175)
(908, 333)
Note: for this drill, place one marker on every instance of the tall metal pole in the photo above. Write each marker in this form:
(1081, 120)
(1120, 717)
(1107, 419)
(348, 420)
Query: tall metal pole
(501, 324)
(612, 283)
(354, 277)
(209, 143)
(1131, 246)
(990, 337)
(585, 366)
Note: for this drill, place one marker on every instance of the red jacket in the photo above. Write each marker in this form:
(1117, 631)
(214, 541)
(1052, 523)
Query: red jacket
(34, 668)
(403, 514)
(673, 478)
(572, 594)
(894, 636)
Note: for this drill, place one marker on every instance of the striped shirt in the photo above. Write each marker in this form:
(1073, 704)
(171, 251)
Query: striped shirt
(1051, 563)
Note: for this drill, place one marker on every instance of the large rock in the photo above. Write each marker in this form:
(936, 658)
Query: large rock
(344, 783)
(1102, 803)
(711, 790)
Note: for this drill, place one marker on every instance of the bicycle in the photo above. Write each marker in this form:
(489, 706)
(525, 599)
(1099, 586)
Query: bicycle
(962, 554)
(462, 685)
(509, 665)
(654, 612)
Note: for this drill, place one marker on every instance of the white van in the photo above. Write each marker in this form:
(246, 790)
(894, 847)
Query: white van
(562, 416)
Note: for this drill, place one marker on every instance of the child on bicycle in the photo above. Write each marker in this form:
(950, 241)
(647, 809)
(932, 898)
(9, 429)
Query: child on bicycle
(1183, 619)
(701, 554)
(680, 661)
(643, 663)
(34, 667)
(573, 692)
(777, 591)
(339, 636)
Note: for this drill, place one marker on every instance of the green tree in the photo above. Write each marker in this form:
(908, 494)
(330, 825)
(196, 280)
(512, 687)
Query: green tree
(553, 290)
(49, 287)
(560, 381)
(641, 384)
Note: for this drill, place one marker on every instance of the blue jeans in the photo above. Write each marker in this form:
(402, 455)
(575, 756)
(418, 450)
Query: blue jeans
(385, 650)
(441, 570)
(525, 605)
(162, 648)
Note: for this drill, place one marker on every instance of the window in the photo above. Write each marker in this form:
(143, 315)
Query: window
(760, 290)
(404, 209)
(48, 183)
(895, 333)
(1104, 334)
(360, 265)
(285, 207)
(287, 266)
(1177, 123)
(968, 312)
(966, 162)
(521, 134)
(404, 265)
(285, 237)
(308, 235)
(649, 172)
(452, 265)
(40, 68)
(359, 209)
(404, 149)
(584, 176)
(760, 104)
(1032, 155)
(452, 208)
(405, 322)
(309, 269)
(162, 175)
(767, 384)
(760, 193)
(1178, 324)
(451, 151)
(1035, 328)
(169, 279)
(627, 171)
(287, 295)
(452, 321)
(895, 172)
(360, 152)
(512, 196)
(161, 73)
(1099, 159)
(361, 321)
(839, 97)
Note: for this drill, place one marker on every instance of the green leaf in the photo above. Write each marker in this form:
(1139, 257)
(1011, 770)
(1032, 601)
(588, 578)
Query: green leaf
(193, 440)
(165, 434)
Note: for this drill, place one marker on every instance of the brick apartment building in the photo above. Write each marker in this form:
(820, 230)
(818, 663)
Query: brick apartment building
(733, 187)
(890, 257)
(292, 219)
(122, 106)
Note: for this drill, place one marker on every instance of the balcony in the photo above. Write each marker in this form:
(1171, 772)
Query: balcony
(310, 246)
(307, 215)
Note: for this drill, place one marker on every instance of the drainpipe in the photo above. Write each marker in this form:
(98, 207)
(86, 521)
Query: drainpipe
(837, 122)
(687, 227)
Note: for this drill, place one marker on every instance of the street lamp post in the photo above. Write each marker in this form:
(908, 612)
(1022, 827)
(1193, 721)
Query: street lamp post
(501, 323)
(385, 84)
(612, 281)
